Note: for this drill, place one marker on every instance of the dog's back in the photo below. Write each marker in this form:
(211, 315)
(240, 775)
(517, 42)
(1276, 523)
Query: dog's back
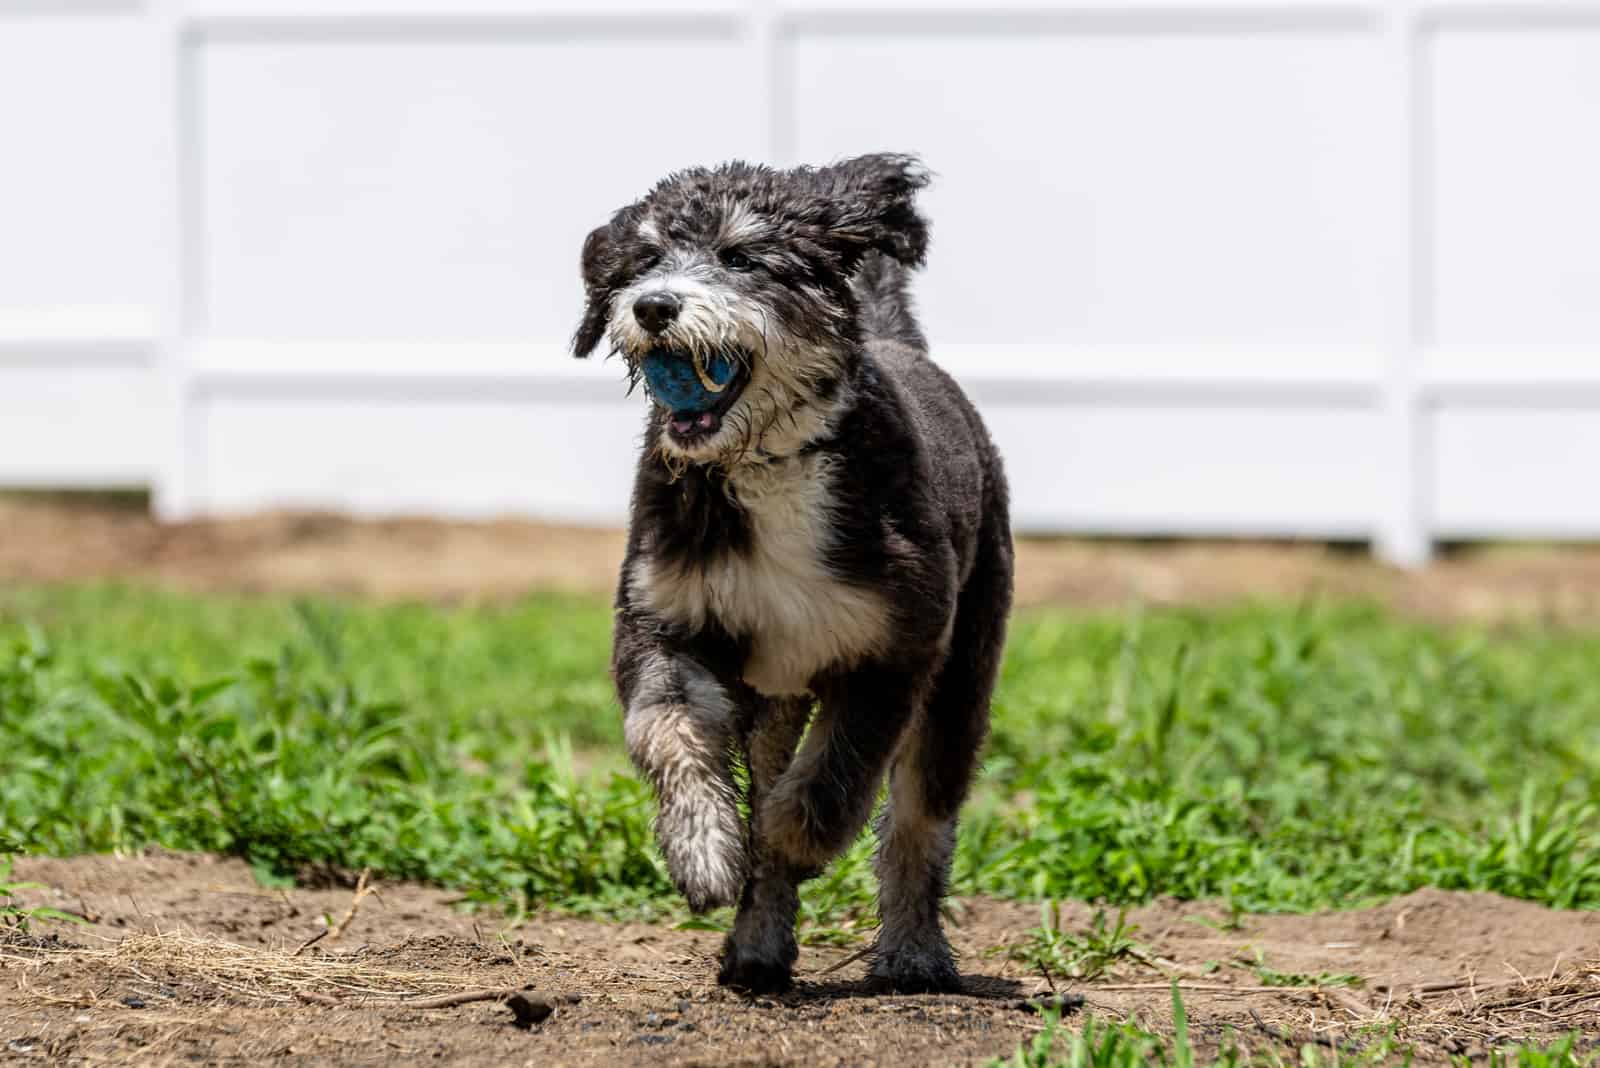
(963, 460)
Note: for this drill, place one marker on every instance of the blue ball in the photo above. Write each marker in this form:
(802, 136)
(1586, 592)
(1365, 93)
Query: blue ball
(674, 383)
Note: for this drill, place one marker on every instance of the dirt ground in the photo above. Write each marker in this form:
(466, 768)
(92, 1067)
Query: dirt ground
(50, 538)
(187, 960)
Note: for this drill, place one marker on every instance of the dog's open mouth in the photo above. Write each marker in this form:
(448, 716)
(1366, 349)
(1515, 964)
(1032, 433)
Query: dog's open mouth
(696, 391)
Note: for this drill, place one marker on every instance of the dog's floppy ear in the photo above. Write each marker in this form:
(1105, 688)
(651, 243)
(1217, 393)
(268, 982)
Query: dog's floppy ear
(598, 250)
(876, 202)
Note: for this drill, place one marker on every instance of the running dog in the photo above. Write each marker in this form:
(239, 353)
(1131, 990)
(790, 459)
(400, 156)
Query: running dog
(819, 548)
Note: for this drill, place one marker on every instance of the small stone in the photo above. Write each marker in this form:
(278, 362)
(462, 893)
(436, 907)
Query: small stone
(526, 1012)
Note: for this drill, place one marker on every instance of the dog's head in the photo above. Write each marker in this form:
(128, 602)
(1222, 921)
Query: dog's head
(728, 290)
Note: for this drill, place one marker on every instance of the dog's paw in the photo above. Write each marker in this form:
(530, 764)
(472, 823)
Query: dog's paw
(930, 970)
(707, 867)
(754, 975)
(702, 898)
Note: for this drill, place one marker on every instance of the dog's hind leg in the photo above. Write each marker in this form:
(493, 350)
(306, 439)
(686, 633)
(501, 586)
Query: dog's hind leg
(914, 850)
(680, 727)
(818, 806)
(931, 776)
(760, 952)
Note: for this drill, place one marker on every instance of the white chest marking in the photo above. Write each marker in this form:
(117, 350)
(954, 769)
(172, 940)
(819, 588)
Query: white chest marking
(799, 618)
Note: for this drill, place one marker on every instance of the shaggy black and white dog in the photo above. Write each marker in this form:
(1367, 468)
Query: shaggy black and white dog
(822, 523)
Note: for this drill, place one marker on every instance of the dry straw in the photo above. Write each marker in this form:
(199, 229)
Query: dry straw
(206, 966)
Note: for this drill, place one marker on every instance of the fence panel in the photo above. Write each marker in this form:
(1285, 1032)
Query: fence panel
(1275, 267)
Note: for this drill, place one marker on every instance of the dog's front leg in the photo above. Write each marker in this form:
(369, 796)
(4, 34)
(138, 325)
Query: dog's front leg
(760, 951)
(680, 726)
(818, 807)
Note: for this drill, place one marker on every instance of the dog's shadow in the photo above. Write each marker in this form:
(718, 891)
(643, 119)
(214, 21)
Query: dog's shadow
(980, 987)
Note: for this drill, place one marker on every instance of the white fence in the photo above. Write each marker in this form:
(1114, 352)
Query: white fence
(1316, 269)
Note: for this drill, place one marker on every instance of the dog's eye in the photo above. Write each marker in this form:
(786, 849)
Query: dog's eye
(734, 260)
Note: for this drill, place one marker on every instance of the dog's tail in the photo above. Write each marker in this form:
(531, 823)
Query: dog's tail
(882, 290)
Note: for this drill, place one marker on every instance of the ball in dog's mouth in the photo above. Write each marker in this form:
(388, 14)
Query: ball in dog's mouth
(696, 391)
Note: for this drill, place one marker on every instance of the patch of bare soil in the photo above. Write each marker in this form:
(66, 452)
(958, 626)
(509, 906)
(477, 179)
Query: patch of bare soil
(187, 960)
(56, 538)
(50, 540)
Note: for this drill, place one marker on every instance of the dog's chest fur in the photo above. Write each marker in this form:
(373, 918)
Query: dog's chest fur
(777, 592)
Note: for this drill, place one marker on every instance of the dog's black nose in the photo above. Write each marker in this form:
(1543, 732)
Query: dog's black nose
(655, 311)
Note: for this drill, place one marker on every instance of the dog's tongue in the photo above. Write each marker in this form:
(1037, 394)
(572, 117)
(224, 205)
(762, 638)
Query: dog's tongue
(683, 422)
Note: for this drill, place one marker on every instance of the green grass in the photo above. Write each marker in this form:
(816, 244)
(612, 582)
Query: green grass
(1269, 976)
(1278, 757)
(15, 917)
(1098, 1043)
(1053, 950)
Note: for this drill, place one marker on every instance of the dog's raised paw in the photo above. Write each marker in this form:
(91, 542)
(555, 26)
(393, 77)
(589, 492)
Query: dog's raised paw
(708, 870)
(702, 899)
